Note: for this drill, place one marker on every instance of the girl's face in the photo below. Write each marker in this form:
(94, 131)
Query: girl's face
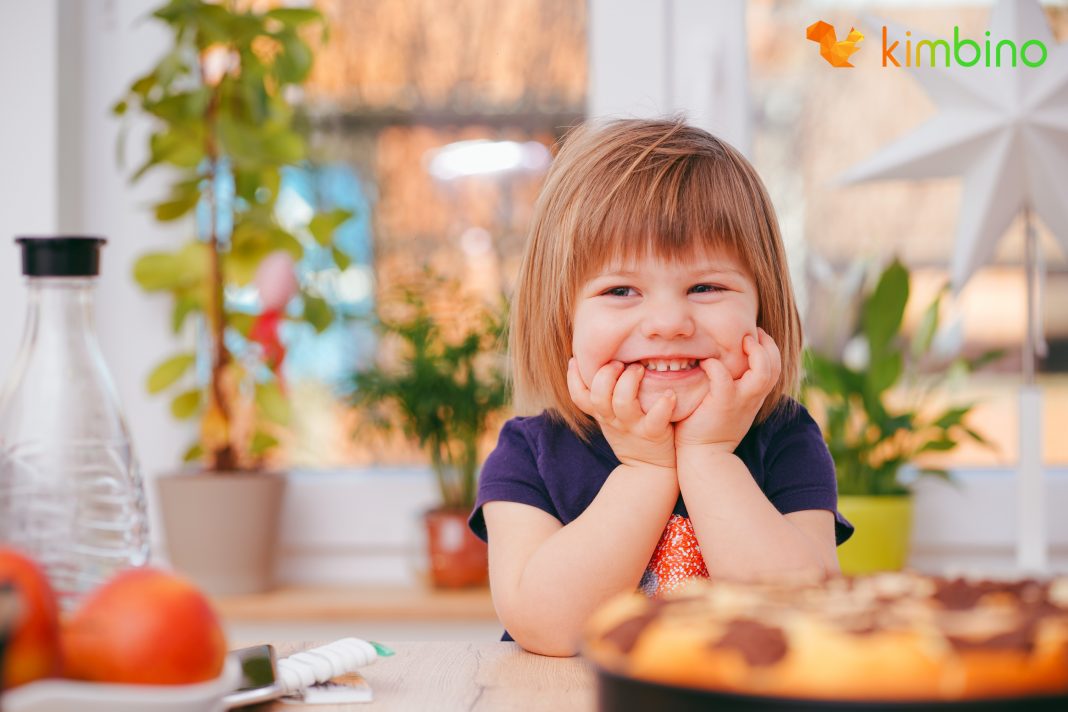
(666, 316)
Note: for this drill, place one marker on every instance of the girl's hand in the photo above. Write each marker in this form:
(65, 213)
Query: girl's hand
(636, 437)
(723, 418)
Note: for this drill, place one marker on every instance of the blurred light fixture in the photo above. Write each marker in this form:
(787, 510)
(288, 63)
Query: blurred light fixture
(483, 157)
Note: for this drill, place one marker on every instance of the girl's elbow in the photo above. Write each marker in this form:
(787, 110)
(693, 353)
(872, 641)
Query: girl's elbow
(549, 648)
(552, 649)
(814, 573)
(832, 569)
(542, 639)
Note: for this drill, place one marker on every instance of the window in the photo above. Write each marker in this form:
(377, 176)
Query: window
(434, 122)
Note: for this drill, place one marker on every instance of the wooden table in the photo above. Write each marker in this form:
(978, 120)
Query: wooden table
(358, 603)
(413, 613)
(446, 676)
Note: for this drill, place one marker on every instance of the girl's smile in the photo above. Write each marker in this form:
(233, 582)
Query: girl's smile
(667, 317)
(670, 368)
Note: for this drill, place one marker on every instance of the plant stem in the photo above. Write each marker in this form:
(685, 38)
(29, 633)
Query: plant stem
(222, 458)
(440, 473)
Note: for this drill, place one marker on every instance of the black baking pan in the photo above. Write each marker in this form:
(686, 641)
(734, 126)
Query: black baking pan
(622, 694)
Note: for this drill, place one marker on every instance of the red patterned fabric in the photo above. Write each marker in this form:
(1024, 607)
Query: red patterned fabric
(676, 559)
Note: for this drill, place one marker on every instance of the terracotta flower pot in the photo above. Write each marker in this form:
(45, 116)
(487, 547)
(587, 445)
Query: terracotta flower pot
(222, 528)
(458, 558)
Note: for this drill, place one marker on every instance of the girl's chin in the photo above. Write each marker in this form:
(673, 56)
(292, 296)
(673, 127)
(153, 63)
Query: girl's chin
(687, 400)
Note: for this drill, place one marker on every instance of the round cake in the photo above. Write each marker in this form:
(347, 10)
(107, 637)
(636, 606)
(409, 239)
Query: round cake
(897, 637)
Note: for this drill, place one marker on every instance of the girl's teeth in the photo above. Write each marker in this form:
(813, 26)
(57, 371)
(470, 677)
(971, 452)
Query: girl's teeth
(669, 365)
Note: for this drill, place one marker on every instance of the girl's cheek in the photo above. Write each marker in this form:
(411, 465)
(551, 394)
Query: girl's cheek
(586, 368)
(589, 357)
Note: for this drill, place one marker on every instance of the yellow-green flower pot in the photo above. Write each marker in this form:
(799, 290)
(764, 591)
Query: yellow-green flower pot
(883, 529)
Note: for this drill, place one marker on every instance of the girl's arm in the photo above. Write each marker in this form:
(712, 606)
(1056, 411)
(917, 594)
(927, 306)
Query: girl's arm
(548, 578)
(742, 535)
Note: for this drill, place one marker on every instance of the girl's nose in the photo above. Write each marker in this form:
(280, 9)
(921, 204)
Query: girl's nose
(667, 319)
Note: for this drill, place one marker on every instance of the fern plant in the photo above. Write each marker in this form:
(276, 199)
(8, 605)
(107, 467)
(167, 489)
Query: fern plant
(442, 390)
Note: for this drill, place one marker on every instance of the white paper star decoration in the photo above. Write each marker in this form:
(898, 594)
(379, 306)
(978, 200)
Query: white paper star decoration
(1005, 129)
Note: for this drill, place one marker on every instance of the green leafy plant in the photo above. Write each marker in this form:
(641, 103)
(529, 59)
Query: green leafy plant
(443, 390)
(869, 437)
(224, 128)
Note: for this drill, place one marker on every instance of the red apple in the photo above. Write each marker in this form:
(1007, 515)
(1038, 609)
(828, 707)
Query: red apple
(33, 650)
(144, 626)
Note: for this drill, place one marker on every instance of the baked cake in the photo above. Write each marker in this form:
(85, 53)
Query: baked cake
(886, 637)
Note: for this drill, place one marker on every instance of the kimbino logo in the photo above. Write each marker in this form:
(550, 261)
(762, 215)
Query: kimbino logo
(929, 53)
(834, 51)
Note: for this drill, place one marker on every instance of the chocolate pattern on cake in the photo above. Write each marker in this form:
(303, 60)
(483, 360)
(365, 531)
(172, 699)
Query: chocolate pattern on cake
(759, 644)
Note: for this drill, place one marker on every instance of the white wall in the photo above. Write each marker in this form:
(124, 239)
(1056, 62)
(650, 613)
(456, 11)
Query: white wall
(28, 166)
(970, 526)
(649, 58)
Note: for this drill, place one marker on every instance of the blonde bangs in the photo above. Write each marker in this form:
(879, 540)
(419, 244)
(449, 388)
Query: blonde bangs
(617, 193)
(671, 210)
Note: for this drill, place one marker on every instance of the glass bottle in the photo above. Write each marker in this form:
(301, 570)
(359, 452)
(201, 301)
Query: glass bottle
(71, 494)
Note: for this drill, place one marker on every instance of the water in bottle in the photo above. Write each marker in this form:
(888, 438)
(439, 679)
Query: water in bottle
(71, 494)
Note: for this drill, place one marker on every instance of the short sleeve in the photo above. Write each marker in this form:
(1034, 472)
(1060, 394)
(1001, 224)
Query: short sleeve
(510, 474)
(799, 471)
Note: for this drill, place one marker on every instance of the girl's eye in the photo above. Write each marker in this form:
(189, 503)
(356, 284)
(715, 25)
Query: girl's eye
(706, 288)
(619, 291)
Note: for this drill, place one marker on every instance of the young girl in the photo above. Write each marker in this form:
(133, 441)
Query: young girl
(655, 341)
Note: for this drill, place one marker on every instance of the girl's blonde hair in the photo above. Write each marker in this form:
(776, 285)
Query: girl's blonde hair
(623, 190)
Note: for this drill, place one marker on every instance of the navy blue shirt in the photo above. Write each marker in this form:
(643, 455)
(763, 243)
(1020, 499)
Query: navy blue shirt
(539, 461)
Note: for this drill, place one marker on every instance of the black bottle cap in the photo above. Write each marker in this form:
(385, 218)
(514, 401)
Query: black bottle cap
(61, 256)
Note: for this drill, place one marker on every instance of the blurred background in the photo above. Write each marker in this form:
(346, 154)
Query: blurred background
(434, 123)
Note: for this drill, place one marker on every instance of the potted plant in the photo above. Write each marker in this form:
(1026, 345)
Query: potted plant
(224, 128)
(872, 435)
(443, 389)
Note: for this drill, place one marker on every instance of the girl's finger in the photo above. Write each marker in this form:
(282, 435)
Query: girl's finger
(774, 355)
(755, 381)
(719, 378)
(579, 393)
(659, 416)
(604, 382)
(625, 397)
